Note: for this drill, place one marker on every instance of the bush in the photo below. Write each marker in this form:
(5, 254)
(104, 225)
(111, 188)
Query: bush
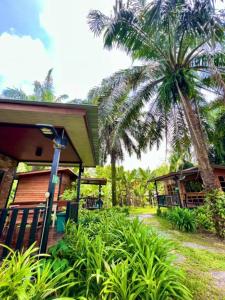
(182, 219)
(216, 203)
(116, 258)
(27, 276)
(203, 217)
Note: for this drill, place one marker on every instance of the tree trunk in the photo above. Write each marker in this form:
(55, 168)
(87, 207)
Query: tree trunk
(199, 143)
(113, 175)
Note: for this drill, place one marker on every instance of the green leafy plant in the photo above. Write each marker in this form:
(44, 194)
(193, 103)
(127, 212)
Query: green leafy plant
(203, 217)
(182, 219)
(28, 276)
(216, 201)
(114, 257)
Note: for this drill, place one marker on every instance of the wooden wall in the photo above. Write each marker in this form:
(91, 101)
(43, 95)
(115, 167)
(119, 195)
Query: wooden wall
(33, 187)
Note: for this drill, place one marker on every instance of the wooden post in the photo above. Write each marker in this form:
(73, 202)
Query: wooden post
(76, 209)
(178, 192)
(157, 194)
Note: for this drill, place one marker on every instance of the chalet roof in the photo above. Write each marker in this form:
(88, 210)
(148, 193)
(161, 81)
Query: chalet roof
(189, 171)
(94, 181)
(20, 137)
(40, 172)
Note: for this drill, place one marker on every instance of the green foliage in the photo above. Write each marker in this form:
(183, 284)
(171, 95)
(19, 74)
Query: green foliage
(132, 186)
(188, 220)
(216, 202)
(70, 193)
(182, 219)
(27, 276)
(203, 217)
(42, 91)
(116, 258)
(158, 212)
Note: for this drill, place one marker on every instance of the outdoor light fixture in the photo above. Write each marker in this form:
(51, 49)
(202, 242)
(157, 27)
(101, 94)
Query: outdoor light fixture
(51, 133)
(48, 131)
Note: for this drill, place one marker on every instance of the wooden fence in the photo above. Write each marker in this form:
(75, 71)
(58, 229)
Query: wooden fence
(20, 227)
(168, 200)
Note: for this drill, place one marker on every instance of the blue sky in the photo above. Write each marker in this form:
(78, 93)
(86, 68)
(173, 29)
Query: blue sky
(22, 18)
(41, 34)
(36, 35)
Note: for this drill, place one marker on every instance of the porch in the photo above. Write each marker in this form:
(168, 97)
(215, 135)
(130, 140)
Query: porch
(183, 188)
(21, 227)
(42, 134)
(191, 200)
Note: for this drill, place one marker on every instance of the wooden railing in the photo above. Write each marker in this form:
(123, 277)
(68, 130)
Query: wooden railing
(19, 227)
(168, 200)
(194, 199)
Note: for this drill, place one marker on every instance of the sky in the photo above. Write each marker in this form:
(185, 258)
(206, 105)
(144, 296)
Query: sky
(41, 34)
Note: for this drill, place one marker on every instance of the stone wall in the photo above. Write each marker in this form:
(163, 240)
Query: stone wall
(8, 166)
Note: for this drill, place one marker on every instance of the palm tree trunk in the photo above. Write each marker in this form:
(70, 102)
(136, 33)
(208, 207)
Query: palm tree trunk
(113, 175)
(199, 143)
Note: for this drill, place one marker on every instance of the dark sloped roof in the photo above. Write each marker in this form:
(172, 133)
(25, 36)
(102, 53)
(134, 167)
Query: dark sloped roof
(94, 181)
(189, 171)
(39, 172)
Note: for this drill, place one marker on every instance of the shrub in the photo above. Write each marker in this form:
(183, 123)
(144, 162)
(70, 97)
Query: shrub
(159, 212)
(182, 218)
(27, 276)
(216, 202)
(203, 217)
(116, 258)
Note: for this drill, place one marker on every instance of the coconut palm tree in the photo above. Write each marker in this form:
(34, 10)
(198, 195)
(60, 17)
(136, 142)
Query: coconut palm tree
(43, 91)
(114, 139)
(171, 39)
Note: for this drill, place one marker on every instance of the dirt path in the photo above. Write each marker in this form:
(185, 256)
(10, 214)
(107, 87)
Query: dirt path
(201, 256)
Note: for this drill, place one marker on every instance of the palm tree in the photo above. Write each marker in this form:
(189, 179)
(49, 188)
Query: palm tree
(114, 139)
(42, 91)
(171, 38)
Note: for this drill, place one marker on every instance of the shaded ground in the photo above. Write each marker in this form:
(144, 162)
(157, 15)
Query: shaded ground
(200, 256)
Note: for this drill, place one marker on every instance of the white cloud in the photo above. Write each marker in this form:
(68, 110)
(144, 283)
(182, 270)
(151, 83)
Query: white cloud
(22, 60)
(80, 61)
(151, 159)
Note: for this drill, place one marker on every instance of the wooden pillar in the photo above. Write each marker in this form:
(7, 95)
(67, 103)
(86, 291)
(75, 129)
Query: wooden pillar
(157, 194)
(178, 191)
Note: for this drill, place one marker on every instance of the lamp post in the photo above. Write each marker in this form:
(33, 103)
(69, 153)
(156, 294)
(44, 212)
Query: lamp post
(59, 142)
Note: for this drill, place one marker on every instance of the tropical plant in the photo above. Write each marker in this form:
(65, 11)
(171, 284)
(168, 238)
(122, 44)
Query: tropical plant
(174, 42)
(174, 46)
(27, 276)
(203, 217)
(117, 258)
(216, 202)
(182, 219)
(43, 92)
(113, 139)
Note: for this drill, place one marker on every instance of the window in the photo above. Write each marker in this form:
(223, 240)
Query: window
(222, 182)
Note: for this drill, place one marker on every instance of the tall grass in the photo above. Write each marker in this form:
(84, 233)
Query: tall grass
(27, 276)
(116, 258)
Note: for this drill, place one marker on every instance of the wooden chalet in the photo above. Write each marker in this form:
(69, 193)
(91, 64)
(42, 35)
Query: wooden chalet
(94, 202)
(185, 188)
(31, 186)
(46, 134)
